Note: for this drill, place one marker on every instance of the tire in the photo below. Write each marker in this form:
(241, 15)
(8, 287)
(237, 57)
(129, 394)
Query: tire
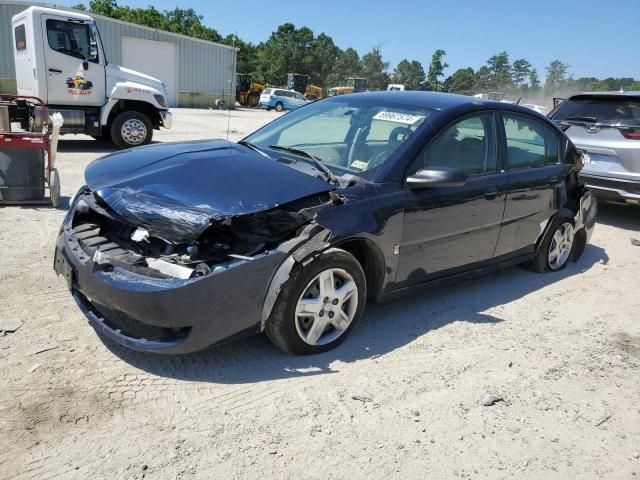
(253, 100)
(139, 133)
(279, 107)
(54, 188)
(557, 232)
(293, 332)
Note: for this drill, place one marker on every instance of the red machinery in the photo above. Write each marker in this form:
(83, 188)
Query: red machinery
(27, 157)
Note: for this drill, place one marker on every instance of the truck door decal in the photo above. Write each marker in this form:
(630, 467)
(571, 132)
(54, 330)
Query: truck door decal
(78, 85)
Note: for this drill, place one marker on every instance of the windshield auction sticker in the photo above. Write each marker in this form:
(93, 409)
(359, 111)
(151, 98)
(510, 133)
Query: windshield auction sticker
(398, 117)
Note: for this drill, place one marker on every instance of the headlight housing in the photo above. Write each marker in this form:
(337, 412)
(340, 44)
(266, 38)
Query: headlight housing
(161, 100)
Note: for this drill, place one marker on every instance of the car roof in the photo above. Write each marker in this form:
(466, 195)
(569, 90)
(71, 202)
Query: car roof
(431, 100)
(607, 94)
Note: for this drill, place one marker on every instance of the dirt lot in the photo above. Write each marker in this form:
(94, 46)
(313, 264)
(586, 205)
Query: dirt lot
(401, 398)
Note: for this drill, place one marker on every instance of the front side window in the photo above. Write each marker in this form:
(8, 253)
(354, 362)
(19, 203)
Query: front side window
(469, 145)
(349, 135)
(21, 38)
(70, 38)
(529, 142)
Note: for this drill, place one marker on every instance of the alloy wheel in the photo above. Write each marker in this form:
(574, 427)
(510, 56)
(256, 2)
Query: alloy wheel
(326, 307)
(560, 246)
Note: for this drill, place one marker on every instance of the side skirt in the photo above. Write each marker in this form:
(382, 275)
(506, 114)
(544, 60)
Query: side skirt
(454, 278)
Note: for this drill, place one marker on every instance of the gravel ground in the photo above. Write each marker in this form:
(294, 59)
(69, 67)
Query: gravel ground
(402, 398)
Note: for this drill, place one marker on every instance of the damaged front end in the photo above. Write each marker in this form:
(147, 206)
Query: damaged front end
(158, 276)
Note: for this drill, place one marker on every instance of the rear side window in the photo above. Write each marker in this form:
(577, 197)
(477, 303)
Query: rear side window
(608, 110)
(279, 93)
(21, 38)
(530, 143)
(468, 145)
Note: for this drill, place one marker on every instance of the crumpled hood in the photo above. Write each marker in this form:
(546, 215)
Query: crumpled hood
(174, 190)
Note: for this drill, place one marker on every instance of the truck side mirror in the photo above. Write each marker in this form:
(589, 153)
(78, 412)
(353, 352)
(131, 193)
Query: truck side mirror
(93, 51)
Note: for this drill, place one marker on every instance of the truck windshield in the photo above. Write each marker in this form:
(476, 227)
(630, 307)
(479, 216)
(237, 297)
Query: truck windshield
(347, 135)
(70, 38)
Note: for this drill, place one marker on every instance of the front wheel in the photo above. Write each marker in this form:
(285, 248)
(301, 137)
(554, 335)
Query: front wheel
(319, 305)
(556, 248)
(131, 129)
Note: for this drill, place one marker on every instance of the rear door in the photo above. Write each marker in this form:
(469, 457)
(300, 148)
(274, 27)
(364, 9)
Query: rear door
(534, 180)
(454, 228)
(66, 46)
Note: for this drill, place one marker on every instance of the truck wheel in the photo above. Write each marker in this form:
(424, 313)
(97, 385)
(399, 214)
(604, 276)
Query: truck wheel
(319, 304)
(254, 98)
(279, 107)
(131, 129)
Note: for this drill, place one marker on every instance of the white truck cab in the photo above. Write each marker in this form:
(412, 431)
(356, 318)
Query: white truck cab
(59, 58)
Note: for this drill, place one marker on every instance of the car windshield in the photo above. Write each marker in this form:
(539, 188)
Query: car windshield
(608, 110)
(348, 135)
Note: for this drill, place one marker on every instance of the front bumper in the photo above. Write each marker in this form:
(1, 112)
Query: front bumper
(165, 315)
(613, 189)
(167, 118)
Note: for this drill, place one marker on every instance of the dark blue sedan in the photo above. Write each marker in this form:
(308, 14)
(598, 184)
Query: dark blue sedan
(173, 247)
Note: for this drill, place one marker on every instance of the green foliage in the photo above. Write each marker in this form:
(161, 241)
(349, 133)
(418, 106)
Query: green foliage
(410, 74)
(520, 70)
(556, 75)
(436, 70)
(499, 72)
(463, 80)
(374, 69)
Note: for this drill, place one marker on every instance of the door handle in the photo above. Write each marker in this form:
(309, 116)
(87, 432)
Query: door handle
(553, 179)
(491, 192)
(55, 70)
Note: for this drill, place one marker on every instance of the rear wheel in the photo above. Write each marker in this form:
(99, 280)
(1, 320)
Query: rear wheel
(131, 129)
(279, 107)
(319, 305)
(555, 250)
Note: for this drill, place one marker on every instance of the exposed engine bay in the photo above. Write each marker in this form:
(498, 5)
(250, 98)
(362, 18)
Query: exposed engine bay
(113, 240)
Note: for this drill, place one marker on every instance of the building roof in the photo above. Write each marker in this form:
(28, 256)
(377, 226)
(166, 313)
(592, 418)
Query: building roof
(115, 20)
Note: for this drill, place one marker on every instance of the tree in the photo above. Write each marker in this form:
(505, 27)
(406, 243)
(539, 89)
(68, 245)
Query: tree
(521, 69)
(374, 69)
(286, 51)
(325, 55)
(483, 79)
(463, 80)
(534, 81)
(556, 75)
(436, 70)
(500, 71)
(411, 74)
(347, 65)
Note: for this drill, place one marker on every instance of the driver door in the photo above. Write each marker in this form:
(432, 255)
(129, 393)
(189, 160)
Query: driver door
(66, 46)
(452, 228)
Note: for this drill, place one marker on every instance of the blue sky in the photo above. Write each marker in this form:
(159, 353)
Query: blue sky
(595, 38)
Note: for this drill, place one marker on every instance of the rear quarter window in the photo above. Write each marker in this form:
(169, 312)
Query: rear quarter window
(21, 38)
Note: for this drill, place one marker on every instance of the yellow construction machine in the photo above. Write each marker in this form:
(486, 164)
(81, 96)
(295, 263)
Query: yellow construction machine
(247, 91)
(351, 85)
(300, 83)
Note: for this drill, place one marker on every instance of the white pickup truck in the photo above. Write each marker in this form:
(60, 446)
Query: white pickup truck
(60, 59)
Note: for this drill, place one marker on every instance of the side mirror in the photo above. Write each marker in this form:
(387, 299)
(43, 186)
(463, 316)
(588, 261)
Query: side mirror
(436, 177)
(93, 51)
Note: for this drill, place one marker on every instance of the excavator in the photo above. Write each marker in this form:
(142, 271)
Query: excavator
(300, 83)
(351, 85)
(247, 91)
